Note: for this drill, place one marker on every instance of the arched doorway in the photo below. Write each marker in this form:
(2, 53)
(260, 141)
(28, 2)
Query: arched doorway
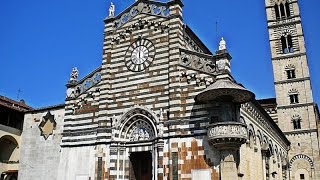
(9, 154)
(138, 144)
(301, 167)
(8, 149)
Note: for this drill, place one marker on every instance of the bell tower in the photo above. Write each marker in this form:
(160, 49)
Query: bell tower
(297, 115)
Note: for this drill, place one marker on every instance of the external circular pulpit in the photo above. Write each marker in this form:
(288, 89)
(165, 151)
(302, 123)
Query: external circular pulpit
(226, 130)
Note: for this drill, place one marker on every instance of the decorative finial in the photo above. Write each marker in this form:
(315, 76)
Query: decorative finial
(111, 10)
(222, 44)
(74, 74)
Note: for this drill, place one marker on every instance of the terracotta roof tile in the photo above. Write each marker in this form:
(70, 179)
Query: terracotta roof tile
(15, 105)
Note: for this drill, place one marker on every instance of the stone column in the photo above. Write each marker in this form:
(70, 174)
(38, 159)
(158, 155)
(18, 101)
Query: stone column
(228, 164)
(124, 158)
(159, 161)
(100, 169)
(228, 137)
(264, 158)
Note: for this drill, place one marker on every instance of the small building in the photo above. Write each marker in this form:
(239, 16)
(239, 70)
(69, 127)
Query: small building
(11, 124)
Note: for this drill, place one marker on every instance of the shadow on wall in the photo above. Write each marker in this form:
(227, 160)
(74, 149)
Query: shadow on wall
(199, 118)
(8, 146)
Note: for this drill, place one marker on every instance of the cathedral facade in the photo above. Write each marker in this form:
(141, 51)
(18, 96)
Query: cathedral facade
(163, 106)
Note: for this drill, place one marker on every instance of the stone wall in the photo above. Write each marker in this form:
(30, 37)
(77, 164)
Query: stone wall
(77, 162)
(39, 157)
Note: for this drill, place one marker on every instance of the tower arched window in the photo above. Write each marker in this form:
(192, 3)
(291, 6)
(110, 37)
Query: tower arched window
(297, 124)
(294, 96)
(282, 10)
(296, 121)
(288, 13)
(276, 9)
(286, 43)
(290, 71)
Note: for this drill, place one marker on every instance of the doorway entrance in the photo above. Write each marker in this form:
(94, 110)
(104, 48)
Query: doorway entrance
(140, 166)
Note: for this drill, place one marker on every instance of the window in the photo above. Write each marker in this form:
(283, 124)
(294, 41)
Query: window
(296, 120)
(297, 124)
(287, 45)
(276, 9)
(294, 98)
(288, 14)
(302, 177)
(289, 41)
(282, 10)
(291, 73)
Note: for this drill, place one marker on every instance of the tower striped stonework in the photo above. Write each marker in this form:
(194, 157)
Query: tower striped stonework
(296, 112)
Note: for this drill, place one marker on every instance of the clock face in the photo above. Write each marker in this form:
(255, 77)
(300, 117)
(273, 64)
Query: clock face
(139, 55)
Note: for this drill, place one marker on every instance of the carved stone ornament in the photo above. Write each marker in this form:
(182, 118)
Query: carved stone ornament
(159, 9)
(222, 44)
(221, 66)
(197, 61)
(47, 125)
(74, 74)
(140, 24)
(300, 156)
(247, 107)
(111, 10)
(191, 44)
(86, 83)
(70, 93)
(221, 134)
(230, 130)
(141, 131)
(116, 121)
(139, 109)
(160, 129)
(200, 81)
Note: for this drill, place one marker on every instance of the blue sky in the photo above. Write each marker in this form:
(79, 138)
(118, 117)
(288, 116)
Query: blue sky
(41, 40)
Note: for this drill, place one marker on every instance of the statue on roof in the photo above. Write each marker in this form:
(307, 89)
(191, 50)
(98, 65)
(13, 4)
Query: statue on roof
(74, 74)
(111, 10)
(222, 44)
